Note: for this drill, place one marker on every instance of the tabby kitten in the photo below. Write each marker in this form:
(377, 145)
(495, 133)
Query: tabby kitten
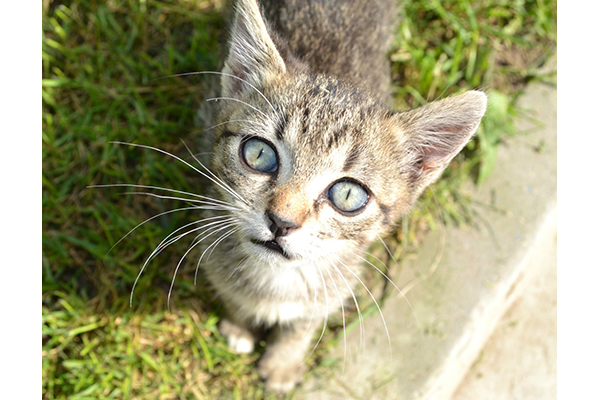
(313, 167)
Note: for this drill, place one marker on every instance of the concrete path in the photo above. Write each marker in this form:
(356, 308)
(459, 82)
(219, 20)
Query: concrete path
(479, 274)
(519, 360)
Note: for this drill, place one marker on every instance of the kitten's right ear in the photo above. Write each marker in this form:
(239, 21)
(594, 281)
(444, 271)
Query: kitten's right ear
(253, 57)
(433, 134)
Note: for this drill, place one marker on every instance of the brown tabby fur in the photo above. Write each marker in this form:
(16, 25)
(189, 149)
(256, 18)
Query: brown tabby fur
(311, 78)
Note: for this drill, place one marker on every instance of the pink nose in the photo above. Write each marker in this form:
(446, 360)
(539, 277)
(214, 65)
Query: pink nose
(280, 227)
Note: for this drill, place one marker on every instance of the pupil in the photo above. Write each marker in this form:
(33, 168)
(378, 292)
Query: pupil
(260, 154)
(348, 195)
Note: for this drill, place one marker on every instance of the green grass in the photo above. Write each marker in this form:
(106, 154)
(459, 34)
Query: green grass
(105, 69)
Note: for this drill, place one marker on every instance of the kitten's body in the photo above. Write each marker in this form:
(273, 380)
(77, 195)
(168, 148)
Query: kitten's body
(309, 91)
(347, 39)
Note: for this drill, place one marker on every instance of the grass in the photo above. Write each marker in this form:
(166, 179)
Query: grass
(106, 68)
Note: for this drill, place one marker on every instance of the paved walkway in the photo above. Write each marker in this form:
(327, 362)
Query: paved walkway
(519, 360)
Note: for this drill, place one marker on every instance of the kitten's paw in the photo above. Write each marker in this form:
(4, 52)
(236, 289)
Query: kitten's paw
(279, 374)
(239, 340)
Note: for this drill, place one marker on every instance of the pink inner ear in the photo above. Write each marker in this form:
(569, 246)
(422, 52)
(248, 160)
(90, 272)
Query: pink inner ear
(430, 160)
(438, 147)
(236, 86)
(438, 131)
(429, 164)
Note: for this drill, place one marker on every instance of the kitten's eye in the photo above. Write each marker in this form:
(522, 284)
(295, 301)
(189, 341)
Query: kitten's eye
(259, 155)
(348, 196)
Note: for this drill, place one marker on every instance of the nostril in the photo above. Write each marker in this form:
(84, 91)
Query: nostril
(272, 224)
(280, 227)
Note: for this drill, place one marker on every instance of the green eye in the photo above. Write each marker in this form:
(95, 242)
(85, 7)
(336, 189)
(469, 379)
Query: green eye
(348, 196)
(259, 155)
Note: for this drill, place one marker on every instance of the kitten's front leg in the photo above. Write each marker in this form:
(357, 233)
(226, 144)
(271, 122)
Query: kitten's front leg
(240, 336)
(282, 364)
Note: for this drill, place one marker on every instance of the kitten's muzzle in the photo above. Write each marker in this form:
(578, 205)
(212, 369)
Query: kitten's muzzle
(278, 227)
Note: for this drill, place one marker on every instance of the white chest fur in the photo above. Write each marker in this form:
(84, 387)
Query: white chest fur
(277, 293)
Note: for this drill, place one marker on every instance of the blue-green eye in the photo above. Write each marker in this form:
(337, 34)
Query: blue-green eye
(348, 196)
(259, 155)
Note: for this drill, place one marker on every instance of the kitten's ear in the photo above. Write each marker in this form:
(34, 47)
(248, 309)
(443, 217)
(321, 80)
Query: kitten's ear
(253, 57)
(433, 134)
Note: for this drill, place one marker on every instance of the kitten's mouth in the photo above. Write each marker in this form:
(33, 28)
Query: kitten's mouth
(271, 245)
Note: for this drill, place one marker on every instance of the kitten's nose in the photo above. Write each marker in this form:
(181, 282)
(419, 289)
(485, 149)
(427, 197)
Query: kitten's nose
(280, 227)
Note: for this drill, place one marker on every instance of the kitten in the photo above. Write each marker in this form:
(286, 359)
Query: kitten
(312, 167)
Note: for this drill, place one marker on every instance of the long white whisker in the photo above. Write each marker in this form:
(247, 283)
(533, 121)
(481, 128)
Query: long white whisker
(239, 267)
(360, 316)
(229, 122)
(148, 220)
(343, 318)
(231, 76)
(216, 179)
(326, 315)
(239, 101)
(186, 163)
(216, 206)
(161, 247)
(312, 314)
(387, 249)
(181, 260)
(214, 245)
(164, 244)
(230, 224)
(167, 242)
(393, 284)
(204, 228)
(161, 188)
(374, 301)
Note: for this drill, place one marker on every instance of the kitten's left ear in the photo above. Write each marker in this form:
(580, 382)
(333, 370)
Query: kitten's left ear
(253, 58)
(433, 134)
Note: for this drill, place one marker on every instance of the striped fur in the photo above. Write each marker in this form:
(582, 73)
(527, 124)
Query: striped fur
(311, 79)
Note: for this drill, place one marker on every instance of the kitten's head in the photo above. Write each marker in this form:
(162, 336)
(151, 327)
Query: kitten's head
(324, 168)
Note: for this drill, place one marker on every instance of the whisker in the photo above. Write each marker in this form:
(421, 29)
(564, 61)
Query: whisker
(148, 220)
(358, 311)
(229, 122)
(326, 315)
(160, 188)
(393, 284)
(387, 249)
(374, 301)
(241, 265)
(216, 179)
(216, 205)
(239, 101)
(204, 228)
(230, 223)
(228, 75)
(161, 247)
(186, 163)
(214, 245)
(438, 257)
(312, 314)
(168, 242)
(343, 318)
(183, 258)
